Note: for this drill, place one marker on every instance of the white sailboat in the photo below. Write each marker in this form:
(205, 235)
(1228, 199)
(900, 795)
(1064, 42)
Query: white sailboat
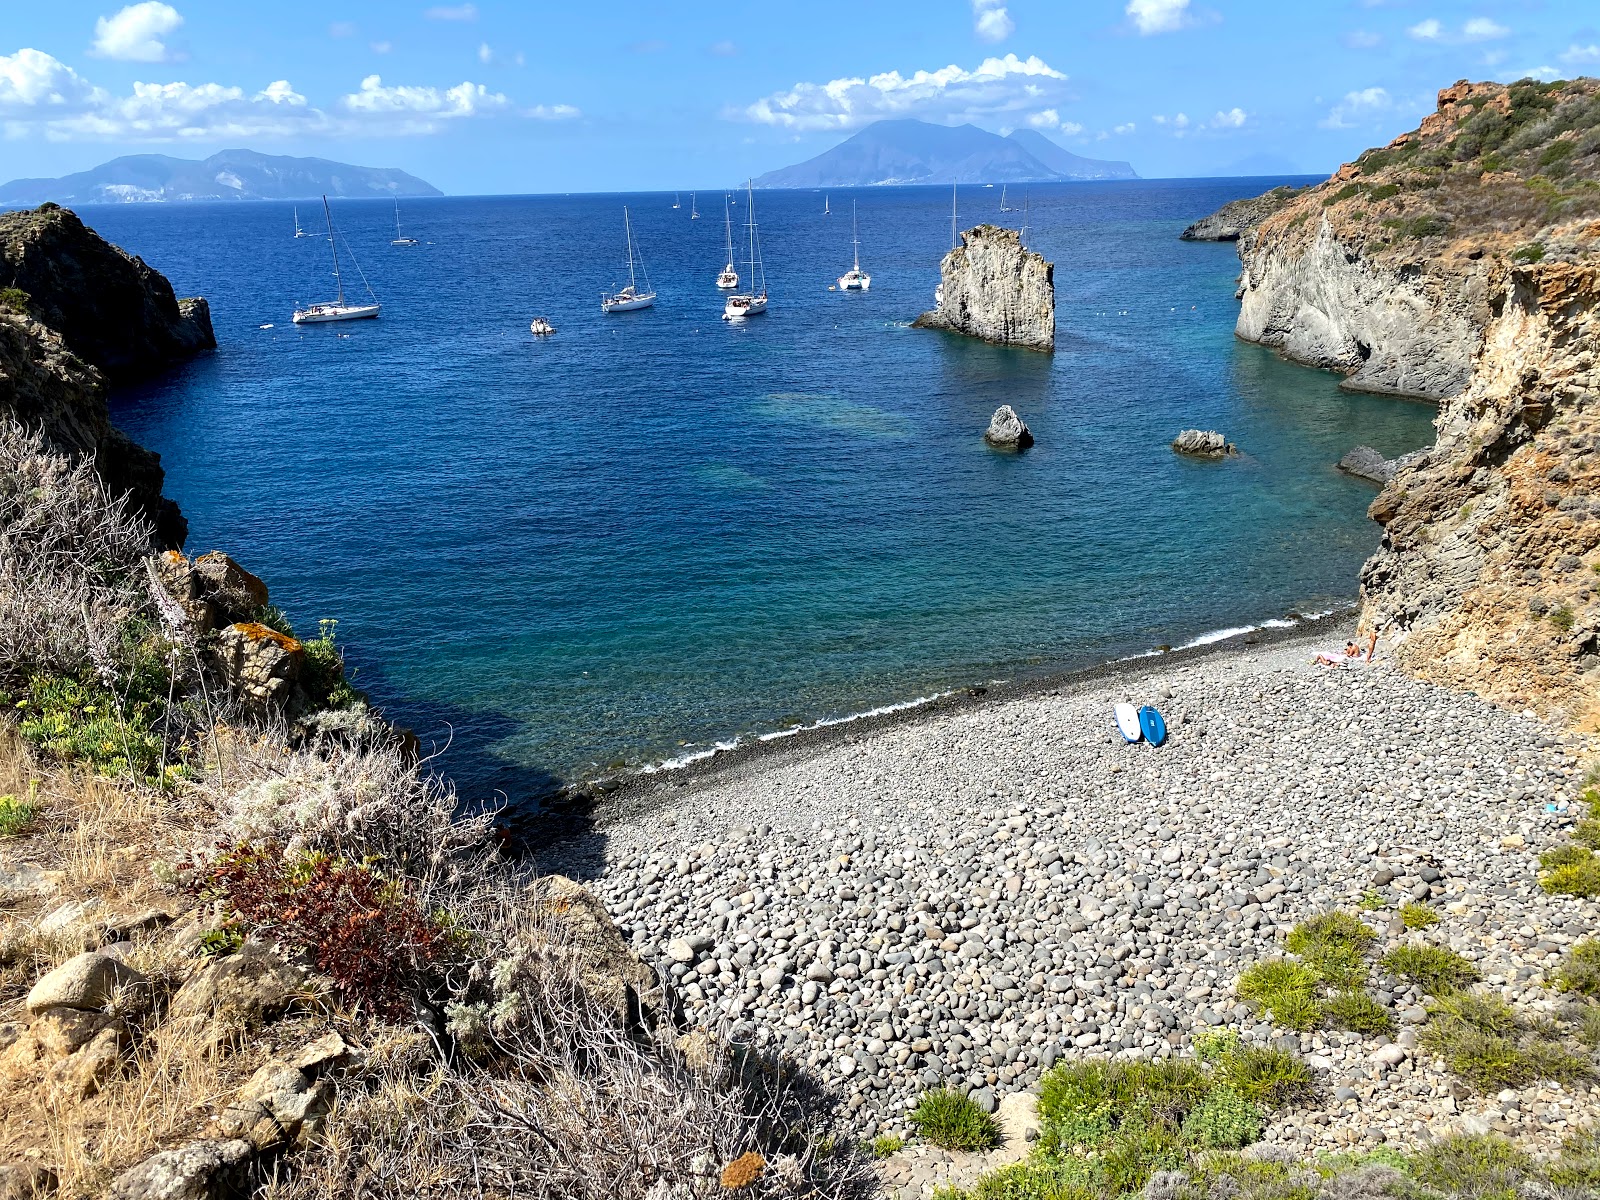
(298, 232)
(337, 309)
(675, 203)
(694, 211)
(729, 279)
(754, 302)
(399, 238)
(630, 297)
(1003, 206)
(938, 292)
(825, 211)
(855, 279)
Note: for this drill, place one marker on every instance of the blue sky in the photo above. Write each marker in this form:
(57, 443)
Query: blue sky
(536, 97)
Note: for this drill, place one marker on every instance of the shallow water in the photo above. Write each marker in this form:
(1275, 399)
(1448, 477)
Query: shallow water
(653, 530)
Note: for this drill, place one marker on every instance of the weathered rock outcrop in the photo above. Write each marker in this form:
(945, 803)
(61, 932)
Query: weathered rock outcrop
(1203, 443)
(994, 288)
(76, 312)
(111, 309)
(1007, 431)
(1363, 462)
(1238, 217)
(1486, 574)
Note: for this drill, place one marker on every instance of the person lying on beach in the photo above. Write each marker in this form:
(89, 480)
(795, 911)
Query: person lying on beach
(1350, 654)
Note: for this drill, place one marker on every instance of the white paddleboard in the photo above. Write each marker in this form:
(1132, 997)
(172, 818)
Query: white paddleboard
(1128, 722)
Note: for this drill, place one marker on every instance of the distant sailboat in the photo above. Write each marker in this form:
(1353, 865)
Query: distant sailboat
(694, 212)
(753, 303)
(938, 292)
(855, 279)
(336, 310)
(630, 297)
(729, 279)
(399, 239)
(298, 232)
(675, 203)
(1003, 206)
(825, 211)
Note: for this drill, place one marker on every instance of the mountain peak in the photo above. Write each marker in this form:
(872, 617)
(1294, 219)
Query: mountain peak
(905, 150)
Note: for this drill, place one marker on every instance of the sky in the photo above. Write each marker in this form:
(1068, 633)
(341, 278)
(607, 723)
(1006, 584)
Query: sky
(483, 97)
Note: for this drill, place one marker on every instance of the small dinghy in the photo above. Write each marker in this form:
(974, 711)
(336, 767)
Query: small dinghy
(1152, 726)
(541, 327)
(1128, 722)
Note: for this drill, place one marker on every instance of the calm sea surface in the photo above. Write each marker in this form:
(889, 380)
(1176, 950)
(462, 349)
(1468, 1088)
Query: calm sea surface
(655, 531)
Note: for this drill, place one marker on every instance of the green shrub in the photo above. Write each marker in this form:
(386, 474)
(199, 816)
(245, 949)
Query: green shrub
(14, 299)
(1285, 990)
(86, 723)
(323, 674)
(1581, 972)
(1137, 1153)
(1030, 1181)
(273, 618)
(1417, 916)
(1464, 1165)
(1223, 1120)
(886, 1144)
(1557, 151)
(1561, 617)
(1358, 1012)
(1482, 1040)
(1372, 902)
(1266, 1075)
(1344, 193)
(1334, 945)
(952, 1121)
(1213, 1045)
(1570, 871)
(1436, 970)
(17, 816)
(1532, 252)
(1386, 190)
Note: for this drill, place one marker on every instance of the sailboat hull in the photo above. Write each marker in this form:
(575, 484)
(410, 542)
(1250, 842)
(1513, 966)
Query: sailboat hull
(740, 307)
(728, 280)
(627, 304)
(321, 314)
(855, 281)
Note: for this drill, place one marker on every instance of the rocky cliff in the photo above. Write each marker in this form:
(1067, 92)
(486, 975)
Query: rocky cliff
(1238, 217)
(76, 312)
(1386, 272)
(994, 288)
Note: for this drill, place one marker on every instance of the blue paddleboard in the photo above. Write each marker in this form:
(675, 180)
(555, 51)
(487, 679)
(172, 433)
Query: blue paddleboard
(1153, 727)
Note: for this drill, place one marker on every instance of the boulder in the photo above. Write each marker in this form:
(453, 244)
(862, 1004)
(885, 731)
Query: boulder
(88, 981)
(1366, 463)
(279, 1105)
(1007, 431)
(249, 988)
(607, 967)
(261, 665)
(64, 1031)
(26, 1181)
(215, 1169)
(211, 591)
(85, 1071)
(994, 288)
(1203, 443)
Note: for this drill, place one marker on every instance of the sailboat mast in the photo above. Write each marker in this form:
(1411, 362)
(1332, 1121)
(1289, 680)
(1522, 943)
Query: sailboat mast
(627, 232)
(333, 245)
(727, 227)
(855, 236)
(755, 264)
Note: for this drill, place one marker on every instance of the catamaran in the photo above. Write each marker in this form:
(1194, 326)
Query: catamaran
(855, 279)
(298, 232)
(729, 279)
(337, 309)
(399, 238)
(630, 297)
(938, 292)
(694, 212)
(754, 302)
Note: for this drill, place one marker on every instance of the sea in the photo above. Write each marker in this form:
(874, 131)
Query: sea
(658, 533)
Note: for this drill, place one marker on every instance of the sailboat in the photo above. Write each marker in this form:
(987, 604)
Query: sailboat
(399, 239)
(754, 302)
(675, 203)
(1003, 206)
(729, 279)
(825, 211)
(694, 211)
(337, 309)
(298, 232)
(938, 292)
(855, 279)
(630, 297)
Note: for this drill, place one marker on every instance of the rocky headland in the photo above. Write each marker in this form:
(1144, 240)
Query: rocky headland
(1236, 218)
(996, 289)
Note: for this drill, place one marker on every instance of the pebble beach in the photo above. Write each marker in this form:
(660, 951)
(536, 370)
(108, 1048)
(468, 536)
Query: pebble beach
(966, 898)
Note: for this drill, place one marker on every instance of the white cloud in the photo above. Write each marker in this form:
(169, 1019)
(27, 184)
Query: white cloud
(135, 33)
(724, 49)
(485, 55)
(1049, 118)
(1575, 54)
(1544, 73)
(1128, 128)
(1356, 107)
(996, 85)
(382, 47)
(452, 12)
(342, 29)
(1426, 31)
(488, 57)
(991, 22)
(41, 96)
(1233, 118)
(1482, 29)
(1361, 39)
(1159, 16)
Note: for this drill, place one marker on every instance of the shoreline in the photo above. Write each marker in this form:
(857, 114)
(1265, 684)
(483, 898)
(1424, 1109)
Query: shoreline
(624, 798)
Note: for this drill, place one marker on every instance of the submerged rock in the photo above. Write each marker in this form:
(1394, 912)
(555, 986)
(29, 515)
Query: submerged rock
(994, 288)
(1007, 431)
(1203, 443)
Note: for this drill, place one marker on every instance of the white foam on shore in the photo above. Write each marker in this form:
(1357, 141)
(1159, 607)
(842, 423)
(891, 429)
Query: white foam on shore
(1222, 635)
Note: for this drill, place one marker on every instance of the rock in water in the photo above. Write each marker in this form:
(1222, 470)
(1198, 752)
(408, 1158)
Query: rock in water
(1366, 463)
(1232, 220)
(1007, 431)
(996, 289)
(1203, 443)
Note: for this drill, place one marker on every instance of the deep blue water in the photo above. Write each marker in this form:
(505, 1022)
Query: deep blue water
(656, 529)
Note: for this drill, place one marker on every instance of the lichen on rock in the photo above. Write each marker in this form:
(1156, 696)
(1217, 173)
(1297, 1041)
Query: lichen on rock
(994, 288)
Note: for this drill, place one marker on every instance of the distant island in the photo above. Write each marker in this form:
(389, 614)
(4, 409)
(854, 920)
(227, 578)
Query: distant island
(890, 152)
(229, 175)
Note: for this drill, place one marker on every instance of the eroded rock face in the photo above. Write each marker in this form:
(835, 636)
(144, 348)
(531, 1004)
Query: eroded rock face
(261, 665)
(1007, 431)
(995, 289)
(1203, 443)
(248, 988)
(606, 965)
(216, 1169)
(212, 591)
(1485, 573)
(1234, 219)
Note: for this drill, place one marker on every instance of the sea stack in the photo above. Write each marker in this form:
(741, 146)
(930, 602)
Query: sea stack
(1007, 431)
(993, 288)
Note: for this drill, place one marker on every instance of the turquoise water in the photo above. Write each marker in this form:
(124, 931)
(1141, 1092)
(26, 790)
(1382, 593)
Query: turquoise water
(654, 531)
